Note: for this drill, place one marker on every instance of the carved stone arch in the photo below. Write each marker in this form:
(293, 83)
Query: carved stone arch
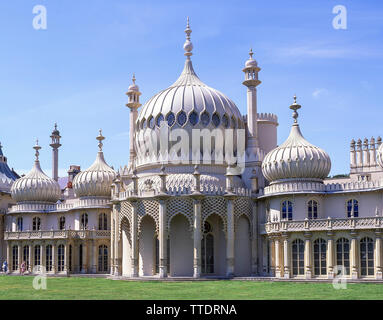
(125, 225)
(125, 212)
(148, 207)
(243, 206)
(217, 205)
(182, 206)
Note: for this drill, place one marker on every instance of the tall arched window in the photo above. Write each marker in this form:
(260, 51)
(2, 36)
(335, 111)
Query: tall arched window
(343, 254)
(15, 258)
(84, 221)
(48, 258)
(36, 224)
(103, 258)
(207, 249)
(352, 208)
(320, 250)
(19, 224)
(102, 221)
(62, 223)
(26, 256)
(37, 261)
(60, 257)
(287, 210)
(312, 208)
(367, 257)
(298, 257)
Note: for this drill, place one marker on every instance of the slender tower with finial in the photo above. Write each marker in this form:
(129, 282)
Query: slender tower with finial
(133, 104)
(55, 144)
(251, 82)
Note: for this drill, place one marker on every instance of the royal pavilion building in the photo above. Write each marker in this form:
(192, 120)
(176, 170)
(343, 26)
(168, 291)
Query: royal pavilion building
(273, 212)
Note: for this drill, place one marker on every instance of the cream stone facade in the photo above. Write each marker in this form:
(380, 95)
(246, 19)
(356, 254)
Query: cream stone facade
(281, 216)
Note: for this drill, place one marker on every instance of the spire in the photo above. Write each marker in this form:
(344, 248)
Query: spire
(37, 148)
(188, 46)
(100, 137)
(251, 53)
(295, 106)
(1, 151)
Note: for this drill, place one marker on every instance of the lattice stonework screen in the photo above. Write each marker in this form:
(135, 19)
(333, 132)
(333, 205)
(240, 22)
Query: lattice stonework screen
(217, 205)
(148, 207)
(180, 206)
(243, 206)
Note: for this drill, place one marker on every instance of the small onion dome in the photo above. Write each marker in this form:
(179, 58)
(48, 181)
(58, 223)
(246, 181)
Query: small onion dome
(296, 158)
(36, 186)
(380, 155)
(251, 63)
(97, 179)
(133, 87)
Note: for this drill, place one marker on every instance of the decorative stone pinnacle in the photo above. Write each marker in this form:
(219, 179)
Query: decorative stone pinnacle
(188, 46)
(37, 148)
(295, 106)
(134, 79)
(100, 137)
(251, 53)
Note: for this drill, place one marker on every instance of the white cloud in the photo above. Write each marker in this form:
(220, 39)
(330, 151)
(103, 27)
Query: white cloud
(319, 92)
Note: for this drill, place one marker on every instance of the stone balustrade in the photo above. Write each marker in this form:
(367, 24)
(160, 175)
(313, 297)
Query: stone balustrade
(322, 225)
(57, 234)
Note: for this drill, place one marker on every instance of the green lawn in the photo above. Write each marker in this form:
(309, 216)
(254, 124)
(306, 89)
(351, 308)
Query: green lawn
(17, 287)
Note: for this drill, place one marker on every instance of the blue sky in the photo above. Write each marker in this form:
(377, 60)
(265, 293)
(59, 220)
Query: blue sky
(77, 71)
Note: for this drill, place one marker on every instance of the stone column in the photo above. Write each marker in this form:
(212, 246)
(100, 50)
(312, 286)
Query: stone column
(54, 270)
(272, 255)
(254, 240)
(378, 254)
(19, 257)
(330, 255)
(197, 225)
(278, 273)
(113, 241)
(230, 238)
(8, 256)
(66, 258)
(84, 257)
(308, 254)
(94, 256)
(163, 240)
(30, 260)
(286, 256)
(134, 232)
(354, 256)
(43, 256)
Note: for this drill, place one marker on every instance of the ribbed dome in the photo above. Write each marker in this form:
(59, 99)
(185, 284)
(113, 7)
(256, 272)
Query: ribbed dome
(188, 95)
(97, 179)
(296, 159)
(36, 186)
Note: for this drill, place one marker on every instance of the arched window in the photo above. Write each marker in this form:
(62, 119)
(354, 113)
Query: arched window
(19, 224)
(15, 258)
(103, 258)
(298, 256)
(207, 249)
(352, 208)
(367, 257)
(193, 118)
(37, 261)
(36, 224)
(181, 118)
(170, 118)
(102, 221)
(343, 254)
(48, 258)
(26, 256)
(60, 257)
(159, 119)
(225, 121)
(215, 119)
(62, 223)
(312, 208)
(320, 250)
(205, 118)
(287, 210)
(84, 221)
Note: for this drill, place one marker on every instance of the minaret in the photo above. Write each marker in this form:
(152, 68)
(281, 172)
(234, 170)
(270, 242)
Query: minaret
(251, 82)
(55, 152)
(133, 104)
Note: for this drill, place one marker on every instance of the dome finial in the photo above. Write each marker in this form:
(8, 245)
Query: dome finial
(295, 106)
(134, 78)
(37, 148)
(251, 53)
(100, 137)
(188, 46)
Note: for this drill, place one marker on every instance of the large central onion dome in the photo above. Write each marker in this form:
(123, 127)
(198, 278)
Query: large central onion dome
(36, 186)
(296, 159)
(97, 179)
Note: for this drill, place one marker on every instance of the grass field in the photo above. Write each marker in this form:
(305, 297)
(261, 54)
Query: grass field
(17, 287)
